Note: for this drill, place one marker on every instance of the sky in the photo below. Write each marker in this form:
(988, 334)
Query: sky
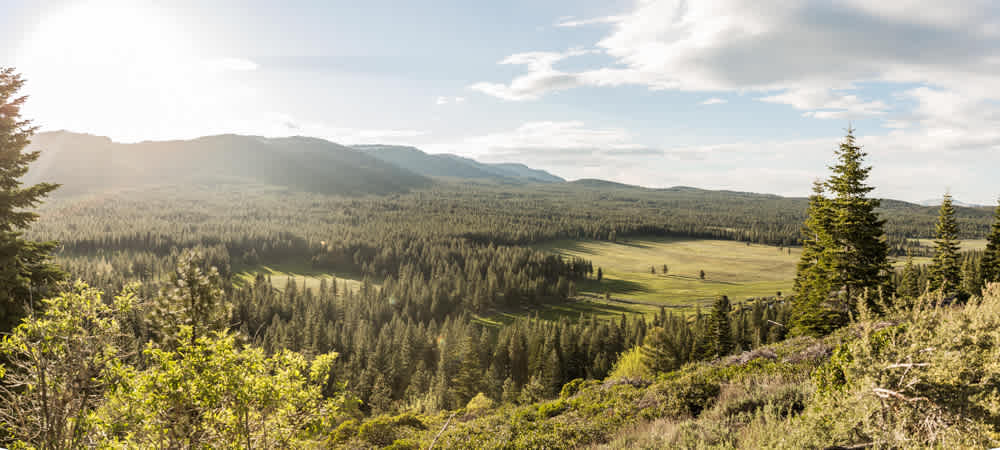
(718, 94)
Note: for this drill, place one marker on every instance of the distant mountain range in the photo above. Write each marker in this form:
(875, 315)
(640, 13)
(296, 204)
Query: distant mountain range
(454, 166)
(937, 202)
(84, 163)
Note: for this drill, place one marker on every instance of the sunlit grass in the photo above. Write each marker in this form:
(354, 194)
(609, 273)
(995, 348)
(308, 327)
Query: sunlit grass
(282, 274)
(731, 268)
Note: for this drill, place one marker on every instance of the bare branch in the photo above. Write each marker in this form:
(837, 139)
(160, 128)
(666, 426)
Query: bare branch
(886, 393)
(907, 365)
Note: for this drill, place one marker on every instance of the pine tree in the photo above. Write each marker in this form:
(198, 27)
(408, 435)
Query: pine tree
(25, 268)
(720, 327)
(971, 278)
(946, 267)
(814, 275)
(909, 285)
(510, 392)
(193, 298)
(860, 253)
(844, 250)
(990, 264)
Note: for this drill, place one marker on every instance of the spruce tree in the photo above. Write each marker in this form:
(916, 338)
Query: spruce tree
(946, 266)
(658, 351)
(909, 285)
(860, 252)
(814, 275)
(25, 267)
(720, 327)
(990, 265)
(971, 278)
(194, 298)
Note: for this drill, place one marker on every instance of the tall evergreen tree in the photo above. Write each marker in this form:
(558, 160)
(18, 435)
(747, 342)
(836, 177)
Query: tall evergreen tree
(814, 276)
(990, 265)
(194, 298)
(972, 280)
(860, 252)
(946, 267)
(721, 328)
(844, 249)
(909, 285)
(25, 267)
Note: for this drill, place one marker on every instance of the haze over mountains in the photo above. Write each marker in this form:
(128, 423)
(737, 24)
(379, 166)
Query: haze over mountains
(84, 163)
(937, 202)
(454, 166)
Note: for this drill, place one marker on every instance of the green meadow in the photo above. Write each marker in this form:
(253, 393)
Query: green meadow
(633, 269)
(282, 274)
(732, 268)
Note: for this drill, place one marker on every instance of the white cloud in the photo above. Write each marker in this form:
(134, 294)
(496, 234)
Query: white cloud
(714, 101)
(828, 104)
(571, 22)
(775, 46)
(541, 77)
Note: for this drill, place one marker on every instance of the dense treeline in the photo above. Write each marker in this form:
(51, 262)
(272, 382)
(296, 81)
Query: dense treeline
(278, 224)
(394, 359)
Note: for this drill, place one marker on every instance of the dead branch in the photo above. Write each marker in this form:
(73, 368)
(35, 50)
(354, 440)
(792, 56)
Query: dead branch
(886, 393)
(429, 447)
(907, 365)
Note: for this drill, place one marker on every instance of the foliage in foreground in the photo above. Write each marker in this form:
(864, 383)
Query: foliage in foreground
(69, 382)
(920, 377)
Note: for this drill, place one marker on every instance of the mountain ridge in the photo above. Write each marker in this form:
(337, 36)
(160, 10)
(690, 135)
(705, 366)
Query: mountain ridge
(87, 163)
(455, 166)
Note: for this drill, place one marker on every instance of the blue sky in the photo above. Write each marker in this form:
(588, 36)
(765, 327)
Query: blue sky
(715, 93)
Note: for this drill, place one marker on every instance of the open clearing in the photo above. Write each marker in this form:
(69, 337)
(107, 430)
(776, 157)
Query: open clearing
(965, 246)
(731, 268)
(282, 274)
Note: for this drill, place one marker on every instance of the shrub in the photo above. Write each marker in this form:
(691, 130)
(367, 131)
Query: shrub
(630, 366)
(479, 402)
(686, 395)
(404, 444)
(345, 431)
(383, 430)
(551, 409)
(571, 388)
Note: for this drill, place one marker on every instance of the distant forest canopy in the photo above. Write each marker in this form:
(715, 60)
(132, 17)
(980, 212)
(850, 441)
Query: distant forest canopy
(337, 232)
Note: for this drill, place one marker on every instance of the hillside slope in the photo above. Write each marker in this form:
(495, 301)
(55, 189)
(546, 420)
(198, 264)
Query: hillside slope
(85, 163)
(925, 377)
(454, 166)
